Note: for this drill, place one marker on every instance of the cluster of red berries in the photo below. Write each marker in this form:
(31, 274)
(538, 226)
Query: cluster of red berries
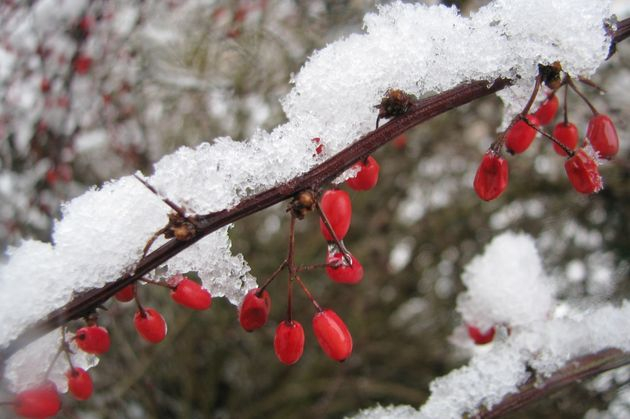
(44, 401)
(601, 142)
(341, 266)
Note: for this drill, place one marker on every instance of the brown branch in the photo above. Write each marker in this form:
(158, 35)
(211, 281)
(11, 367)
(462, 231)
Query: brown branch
(535, 388)
(87, 302)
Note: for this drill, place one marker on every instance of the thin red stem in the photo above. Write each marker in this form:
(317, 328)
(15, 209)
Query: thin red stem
(271, 278)
(581, 95)
(566, 105)
(308, 294)
(158, 283)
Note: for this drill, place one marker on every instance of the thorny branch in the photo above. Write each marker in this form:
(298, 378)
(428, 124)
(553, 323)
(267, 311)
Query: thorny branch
(87, 302)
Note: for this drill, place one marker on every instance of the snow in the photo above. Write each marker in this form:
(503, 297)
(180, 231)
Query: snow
(413, 47)
(541, 339)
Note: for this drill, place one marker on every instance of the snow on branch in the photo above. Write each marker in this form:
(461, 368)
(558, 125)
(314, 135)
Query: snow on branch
(419, 49)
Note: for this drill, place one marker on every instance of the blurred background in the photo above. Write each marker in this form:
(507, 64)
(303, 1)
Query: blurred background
(95, 90)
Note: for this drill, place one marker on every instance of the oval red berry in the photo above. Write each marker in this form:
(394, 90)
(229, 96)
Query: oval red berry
(520, 136)
(367, 175)
(547, 110)
(568, 135)
(338, 270)
(602, 134)
(190, 294)
(491, 178)
(480, 337)
(255, 309)
(38, 402)
(336, 205)
(126, 294)
(150, 325)
(80, 383)
(93, 339)
(583, 173)
(289, 342)
(332, 335)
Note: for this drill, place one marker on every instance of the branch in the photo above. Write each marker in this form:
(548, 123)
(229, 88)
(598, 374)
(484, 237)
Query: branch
(535, 388)
(87, 302)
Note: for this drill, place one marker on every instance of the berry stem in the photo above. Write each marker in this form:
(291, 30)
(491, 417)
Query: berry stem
(306, 268)
(158, 283)
(179, 210)
(591, 83)
(292, 267)
(566, 149)
(308, 294)
(271, 278)
(532, 98)
(137, 300)
(336, 240)
(566, 105)
(581, 95)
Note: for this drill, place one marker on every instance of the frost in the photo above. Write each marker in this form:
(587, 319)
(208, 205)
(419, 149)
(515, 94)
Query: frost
(28, 367)
(504, 280)
(506, 285)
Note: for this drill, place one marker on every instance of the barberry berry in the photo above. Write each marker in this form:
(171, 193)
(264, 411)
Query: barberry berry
(520, 136)
(479, 337)
(567, 134)
(80, 383)
(336, 204)
(255, 310)
(38, 402)
(338, 269)
(126, 294)
(150, 325)
(93, 339)
(547, 110)
(332, 335)
(190, 294)
(491, 178)
(367, 175)
(583, 173)
(289, 342)
(602, 135)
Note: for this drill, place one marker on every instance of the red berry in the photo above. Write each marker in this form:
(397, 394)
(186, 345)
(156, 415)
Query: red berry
(319, 147)
(125, 294)
(289, 342)
(93, 339)
(520, 136)
(547, 110)
(400, 142)
(190, 294)
(332, 335)
(80, 383)
(583, 172)
(602, 135)
(479, 337)
(45, 85)
(567, 134)
(336, 204)
(255, 310)
(38, 402)
(82, 64)
(491, 177)
(150, 324)
(339, 271)
(366, 177)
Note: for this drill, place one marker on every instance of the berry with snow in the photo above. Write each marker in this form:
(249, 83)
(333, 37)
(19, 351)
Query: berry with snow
(480, 337)
(367, 175)
(338, 270)
(602, 135)
(583, 173)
